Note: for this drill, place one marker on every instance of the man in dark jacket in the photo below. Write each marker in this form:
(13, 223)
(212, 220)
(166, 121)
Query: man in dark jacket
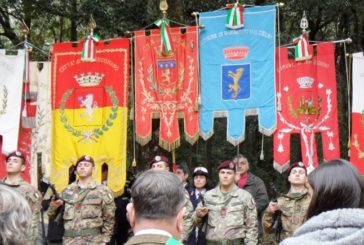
(254, 185)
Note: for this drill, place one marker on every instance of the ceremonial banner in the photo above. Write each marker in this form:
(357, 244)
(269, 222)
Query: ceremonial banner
(237, 72)
(357, 132)
(306, 91)
(89, 103)
(166, 87)
(11, 87)
(27, 124)
(40, 80)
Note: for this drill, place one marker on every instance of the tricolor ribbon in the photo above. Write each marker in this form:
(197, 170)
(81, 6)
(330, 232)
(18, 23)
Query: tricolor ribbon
(166, 45)
(302, 51)
(234, 17)
(88, 52)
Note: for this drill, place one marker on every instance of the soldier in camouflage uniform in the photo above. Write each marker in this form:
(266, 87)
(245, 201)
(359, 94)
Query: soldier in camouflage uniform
(161, 163)
(294, 204)
(89, 208)
(15, 166)
(231, 212)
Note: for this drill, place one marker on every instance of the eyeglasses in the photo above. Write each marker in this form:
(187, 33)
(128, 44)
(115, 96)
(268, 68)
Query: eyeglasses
(201, 169)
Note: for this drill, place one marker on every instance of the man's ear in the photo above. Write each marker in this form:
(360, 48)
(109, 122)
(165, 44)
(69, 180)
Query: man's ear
(23, 167)
(179, 220)
(130, 213)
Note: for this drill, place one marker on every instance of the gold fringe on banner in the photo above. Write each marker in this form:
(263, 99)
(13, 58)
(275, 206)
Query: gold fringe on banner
(169, 146)
(143, 141)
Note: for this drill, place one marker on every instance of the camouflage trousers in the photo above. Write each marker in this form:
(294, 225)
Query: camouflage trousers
(85, 240)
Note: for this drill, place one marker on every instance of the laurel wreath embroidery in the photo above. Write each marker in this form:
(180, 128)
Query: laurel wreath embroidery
(5, 101)
(89, 135)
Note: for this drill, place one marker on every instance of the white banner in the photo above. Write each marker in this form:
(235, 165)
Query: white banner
(358, 82)
(40, 81)
(11, 86)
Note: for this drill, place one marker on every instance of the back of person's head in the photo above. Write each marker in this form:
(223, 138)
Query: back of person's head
(335, 184)
(15, 217)
(157, 195)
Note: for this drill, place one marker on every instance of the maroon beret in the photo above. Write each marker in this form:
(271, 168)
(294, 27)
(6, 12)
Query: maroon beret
(158, 158)
(297, 165)
(16, 153)
(85, 158)
(227, 164)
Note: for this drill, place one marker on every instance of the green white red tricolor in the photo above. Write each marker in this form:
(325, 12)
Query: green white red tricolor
(234, 17)
(166, 44)
(302, 51)
(88, 51)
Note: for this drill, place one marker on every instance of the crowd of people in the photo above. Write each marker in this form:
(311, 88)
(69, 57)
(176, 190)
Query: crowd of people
(324, 207)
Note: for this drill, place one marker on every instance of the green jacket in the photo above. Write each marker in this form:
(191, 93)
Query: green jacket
(231, 216)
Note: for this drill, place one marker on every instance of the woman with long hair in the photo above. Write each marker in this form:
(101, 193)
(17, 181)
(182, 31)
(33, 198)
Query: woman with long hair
(335, 214)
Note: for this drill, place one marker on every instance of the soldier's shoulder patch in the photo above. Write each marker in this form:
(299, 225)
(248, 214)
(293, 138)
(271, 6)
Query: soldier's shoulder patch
(251, 204)
(108, 197)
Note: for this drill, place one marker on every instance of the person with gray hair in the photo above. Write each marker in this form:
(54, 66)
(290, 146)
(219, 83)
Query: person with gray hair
(157, 208)
(15, 217)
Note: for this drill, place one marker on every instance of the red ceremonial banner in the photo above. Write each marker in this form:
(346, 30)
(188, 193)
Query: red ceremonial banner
(306, 91)
(166, 87)
(357, 114)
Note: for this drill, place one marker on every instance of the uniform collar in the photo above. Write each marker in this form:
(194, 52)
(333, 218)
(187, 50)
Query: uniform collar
(218, 192)
(296, 195)
(153, 232)
(91, 185)
(12, 185)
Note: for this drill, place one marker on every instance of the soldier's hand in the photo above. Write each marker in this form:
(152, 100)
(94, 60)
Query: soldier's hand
(56, 203)
(272, 207)
(201, 212)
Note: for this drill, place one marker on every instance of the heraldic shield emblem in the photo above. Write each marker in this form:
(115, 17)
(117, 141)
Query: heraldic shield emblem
(235, 82)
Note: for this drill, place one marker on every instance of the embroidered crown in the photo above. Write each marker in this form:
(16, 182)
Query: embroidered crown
(305, 82)
(89, 79)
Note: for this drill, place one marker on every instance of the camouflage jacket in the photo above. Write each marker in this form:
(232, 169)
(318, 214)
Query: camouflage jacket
(187, 219)
(231, 216)
(87, 208)
(294, 210)
(34, 199)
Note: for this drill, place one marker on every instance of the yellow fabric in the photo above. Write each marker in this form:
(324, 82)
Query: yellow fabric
(109, 148)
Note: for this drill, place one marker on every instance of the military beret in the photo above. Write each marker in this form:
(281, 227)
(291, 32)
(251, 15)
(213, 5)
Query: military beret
(227, 164)
(85, 158)
(158, 158)
(296, 165)
(16, 153)
(200, 171)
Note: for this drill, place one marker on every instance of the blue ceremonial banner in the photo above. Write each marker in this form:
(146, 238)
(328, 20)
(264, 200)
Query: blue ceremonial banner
(237, 72)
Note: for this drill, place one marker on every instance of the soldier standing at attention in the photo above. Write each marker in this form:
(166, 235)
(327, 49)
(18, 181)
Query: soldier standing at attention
(294, 204)
(231, 212)
(15, 166)
(89, 208)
